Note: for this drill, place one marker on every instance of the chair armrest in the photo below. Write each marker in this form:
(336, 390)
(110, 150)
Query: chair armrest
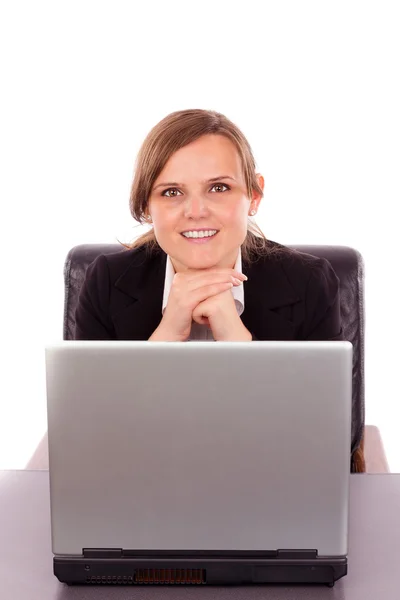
(374, 452)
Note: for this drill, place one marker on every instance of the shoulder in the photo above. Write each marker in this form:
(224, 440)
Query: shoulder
(291, 260)
(303, 271)
(116, 264)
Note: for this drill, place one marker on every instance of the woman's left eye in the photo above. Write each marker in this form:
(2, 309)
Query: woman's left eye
(220, 185)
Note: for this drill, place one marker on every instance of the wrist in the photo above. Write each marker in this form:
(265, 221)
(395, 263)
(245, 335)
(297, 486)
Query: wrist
(161, 334)
(241, 334)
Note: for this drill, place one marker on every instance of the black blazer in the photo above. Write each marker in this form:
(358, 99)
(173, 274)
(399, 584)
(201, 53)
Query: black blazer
(293, 296)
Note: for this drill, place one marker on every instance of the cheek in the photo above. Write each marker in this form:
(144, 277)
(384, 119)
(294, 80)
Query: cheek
(237, 214)
(237, 206)
(157, 214)
(163, 221)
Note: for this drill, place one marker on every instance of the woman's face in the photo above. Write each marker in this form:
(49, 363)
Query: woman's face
(202, 188)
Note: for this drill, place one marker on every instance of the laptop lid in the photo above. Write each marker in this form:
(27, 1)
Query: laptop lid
(233, 446)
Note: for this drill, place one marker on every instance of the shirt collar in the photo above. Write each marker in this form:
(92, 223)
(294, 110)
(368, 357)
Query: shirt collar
(237, 291)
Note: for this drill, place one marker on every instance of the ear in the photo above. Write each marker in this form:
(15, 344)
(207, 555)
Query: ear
(256, 196)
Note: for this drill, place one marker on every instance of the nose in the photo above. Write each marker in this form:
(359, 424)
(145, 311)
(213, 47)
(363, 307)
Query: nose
(195, 206)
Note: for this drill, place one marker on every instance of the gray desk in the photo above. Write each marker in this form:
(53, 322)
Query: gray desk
(26, 558)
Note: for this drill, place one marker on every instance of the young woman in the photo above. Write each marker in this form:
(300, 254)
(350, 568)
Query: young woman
(204, 271)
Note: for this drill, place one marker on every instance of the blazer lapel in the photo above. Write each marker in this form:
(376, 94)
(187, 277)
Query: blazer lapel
(143, 282)
(266, 293)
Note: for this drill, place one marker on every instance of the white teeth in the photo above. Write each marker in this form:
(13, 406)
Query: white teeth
(200, 234)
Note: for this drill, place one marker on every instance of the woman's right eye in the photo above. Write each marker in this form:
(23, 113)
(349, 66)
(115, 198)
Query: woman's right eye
(169, 190)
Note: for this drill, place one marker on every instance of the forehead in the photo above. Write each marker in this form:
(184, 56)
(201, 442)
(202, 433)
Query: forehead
(209, 156)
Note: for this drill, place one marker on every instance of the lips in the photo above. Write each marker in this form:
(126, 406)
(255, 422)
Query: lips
(200, 240)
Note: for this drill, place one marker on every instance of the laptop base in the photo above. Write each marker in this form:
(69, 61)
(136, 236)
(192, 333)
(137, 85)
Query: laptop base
(232, 568)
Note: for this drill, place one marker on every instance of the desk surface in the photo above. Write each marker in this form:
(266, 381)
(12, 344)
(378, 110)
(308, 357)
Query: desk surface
(26, 559)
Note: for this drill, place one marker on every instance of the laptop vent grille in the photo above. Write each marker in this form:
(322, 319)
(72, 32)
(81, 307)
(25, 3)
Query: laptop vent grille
(153, 576)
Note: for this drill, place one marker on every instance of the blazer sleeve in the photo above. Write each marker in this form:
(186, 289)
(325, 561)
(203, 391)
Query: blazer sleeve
(92, 319)
(322, 305)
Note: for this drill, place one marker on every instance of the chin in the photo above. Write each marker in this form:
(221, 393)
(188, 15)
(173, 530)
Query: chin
(200, 262)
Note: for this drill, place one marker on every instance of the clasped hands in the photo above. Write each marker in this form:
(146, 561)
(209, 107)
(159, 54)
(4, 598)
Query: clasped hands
(203, 296)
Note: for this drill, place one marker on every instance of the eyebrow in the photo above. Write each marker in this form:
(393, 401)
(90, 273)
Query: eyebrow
(175, 183)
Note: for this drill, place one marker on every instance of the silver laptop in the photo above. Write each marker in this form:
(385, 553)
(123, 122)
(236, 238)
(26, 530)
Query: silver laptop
(201, 463)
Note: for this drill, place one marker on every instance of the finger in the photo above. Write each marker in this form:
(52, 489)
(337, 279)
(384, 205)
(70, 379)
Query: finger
(201, 294)
(196, 274)
(212, 278)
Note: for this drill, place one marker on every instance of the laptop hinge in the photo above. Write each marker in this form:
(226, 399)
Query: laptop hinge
(297, 554)
(102, 552)
(118, 553)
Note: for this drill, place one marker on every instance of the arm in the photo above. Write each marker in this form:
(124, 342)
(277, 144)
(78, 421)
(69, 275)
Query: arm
(323, 321)
(92, 319)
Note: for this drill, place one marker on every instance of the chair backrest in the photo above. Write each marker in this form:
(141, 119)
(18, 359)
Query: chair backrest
(348, 265)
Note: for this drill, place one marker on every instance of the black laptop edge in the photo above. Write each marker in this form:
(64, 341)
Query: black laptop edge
(134, 567)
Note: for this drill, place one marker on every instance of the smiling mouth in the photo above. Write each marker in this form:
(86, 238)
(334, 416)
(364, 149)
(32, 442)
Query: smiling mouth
(200, 235)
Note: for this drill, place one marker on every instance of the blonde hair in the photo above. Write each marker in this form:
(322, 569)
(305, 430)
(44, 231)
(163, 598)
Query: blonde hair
(173, 132)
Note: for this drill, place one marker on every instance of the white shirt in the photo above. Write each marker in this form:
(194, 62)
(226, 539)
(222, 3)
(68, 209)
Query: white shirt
(203, 332)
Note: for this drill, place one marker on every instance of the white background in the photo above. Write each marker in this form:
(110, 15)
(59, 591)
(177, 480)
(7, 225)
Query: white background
(313, 85)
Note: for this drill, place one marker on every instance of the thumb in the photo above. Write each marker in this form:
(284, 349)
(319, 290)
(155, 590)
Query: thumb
(198, 316)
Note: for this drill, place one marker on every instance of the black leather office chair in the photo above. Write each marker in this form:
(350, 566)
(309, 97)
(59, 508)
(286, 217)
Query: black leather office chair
(348, 265)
